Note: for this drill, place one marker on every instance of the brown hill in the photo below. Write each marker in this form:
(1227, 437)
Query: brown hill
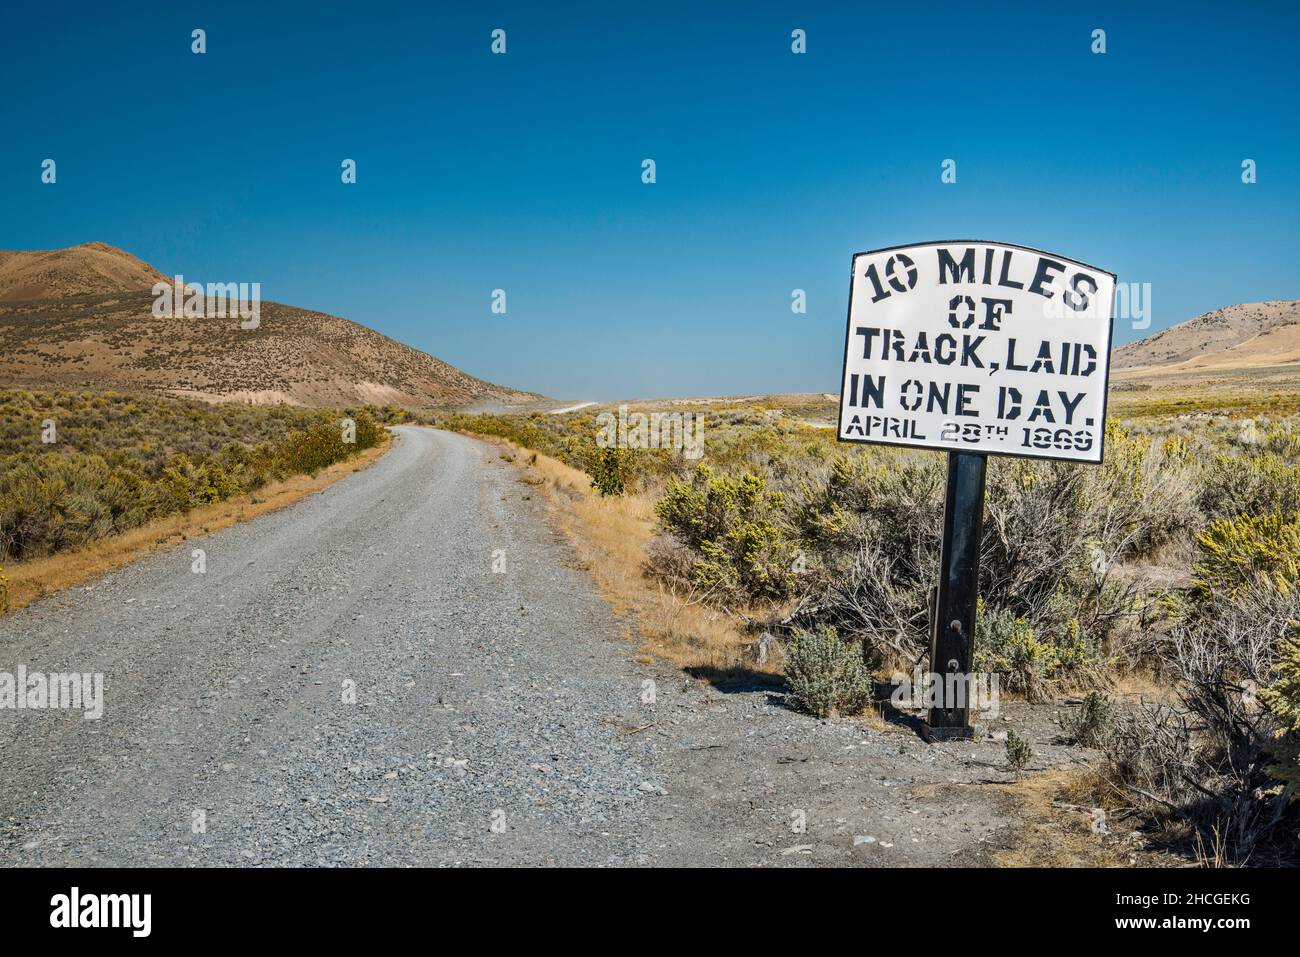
(1256, 334)
(88, 269)
(85, 320)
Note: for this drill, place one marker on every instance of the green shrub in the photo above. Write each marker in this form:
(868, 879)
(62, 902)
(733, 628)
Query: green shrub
(1283, 700)
(734, 528)
(608, 469)
(324, 444)
(826, 676)
(1250, 484)
(870, 524)
(1019, 752)
(1235, 554)
(1092, 723)
(48, 503)
(895, 500)
(1006, 645)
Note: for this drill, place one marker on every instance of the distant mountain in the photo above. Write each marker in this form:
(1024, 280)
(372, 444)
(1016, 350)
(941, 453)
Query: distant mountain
(1255, 334)
(83, 317)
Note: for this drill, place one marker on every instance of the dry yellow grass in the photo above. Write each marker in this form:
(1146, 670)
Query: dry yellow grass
(32, 580)
(1049, 835)
(610, 535)
(1054, 812)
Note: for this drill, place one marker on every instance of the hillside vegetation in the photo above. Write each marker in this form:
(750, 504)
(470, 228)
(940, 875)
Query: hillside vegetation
(1175, 566)
(76, 467)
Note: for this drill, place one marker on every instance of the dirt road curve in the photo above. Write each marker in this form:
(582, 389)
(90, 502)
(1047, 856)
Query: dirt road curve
(498, 715)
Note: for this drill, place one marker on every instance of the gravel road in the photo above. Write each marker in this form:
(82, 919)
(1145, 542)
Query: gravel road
(479, 694)
(498, 715)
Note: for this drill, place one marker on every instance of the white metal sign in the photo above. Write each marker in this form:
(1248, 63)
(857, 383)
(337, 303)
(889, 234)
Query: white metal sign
(977, 347)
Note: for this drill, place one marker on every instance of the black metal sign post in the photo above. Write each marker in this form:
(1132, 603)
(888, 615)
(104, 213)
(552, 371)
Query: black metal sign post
(952, 632)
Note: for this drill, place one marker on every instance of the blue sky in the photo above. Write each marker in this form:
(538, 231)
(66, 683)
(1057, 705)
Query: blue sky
(523, 171)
